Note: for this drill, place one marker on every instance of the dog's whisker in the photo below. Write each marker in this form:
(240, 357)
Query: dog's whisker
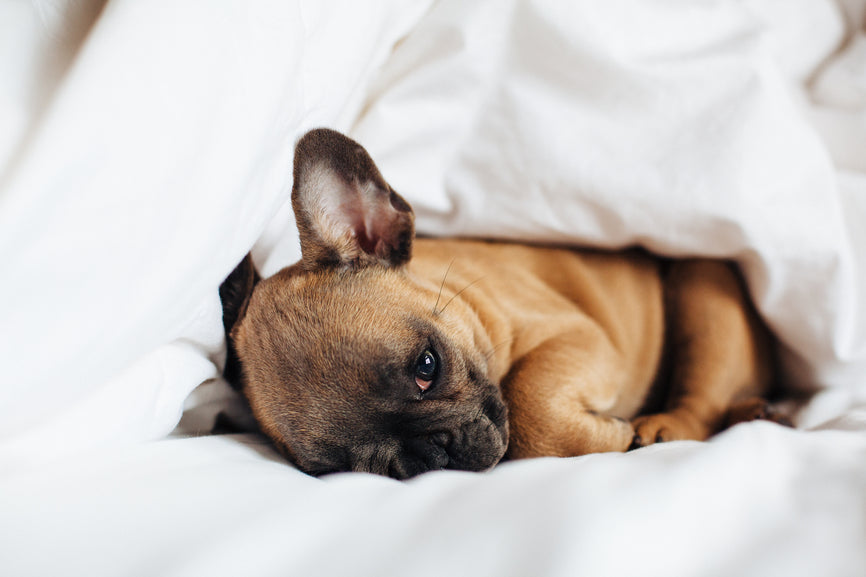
(496, 348)
(458, 293)
(509, 340)
(441, 286)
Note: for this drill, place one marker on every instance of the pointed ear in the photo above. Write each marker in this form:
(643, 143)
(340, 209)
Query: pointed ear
(347, 215)
(235, 294)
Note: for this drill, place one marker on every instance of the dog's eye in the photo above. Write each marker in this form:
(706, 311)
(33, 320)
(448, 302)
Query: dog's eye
(425, 369)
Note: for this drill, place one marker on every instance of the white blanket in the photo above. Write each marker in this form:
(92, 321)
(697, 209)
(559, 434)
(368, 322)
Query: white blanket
(146, 146)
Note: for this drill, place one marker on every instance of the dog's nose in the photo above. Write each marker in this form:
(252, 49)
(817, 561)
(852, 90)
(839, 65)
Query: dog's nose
(479, 443)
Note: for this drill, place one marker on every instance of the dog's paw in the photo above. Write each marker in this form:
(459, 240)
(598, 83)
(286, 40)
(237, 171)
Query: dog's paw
(662, 427)
(622, 435)
(755, 409)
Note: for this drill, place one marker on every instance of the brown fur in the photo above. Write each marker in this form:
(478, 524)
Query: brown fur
(575, 343)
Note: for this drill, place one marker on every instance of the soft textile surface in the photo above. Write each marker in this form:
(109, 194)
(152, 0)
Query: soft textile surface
(146, 146)
(760, 500)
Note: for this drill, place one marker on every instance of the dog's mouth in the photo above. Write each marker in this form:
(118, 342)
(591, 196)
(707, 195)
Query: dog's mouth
(477, 444)
(468, 443)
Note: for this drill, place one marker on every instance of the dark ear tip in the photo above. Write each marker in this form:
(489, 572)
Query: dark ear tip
(399, 203)
(336, 151)
(312, 139)
(235, 292)
(323, 143)
(321, 134)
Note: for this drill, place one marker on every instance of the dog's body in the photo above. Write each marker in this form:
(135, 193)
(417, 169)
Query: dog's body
(574, 338)
(378, 352)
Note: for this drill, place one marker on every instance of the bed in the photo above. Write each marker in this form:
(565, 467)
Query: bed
(145, 148)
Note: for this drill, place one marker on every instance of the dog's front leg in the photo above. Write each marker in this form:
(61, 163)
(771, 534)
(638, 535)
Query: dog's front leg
(557, 394)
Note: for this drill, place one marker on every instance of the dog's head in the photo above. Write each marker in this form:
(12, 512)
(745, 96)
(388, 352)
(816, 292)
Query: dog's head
(345, 359)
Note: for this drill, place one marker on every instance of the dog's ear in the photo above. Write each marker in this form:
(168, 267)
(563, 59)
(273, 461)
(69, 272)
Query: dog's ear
(235, 294)
(347, 215)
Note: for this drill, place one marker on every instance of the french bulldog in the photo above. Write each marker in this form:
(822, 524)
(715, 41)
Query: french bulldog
(390, 354)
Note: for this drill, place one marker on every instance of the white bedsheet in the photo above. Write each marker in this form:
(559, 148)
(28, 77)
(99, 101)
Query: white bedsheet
(146, 146)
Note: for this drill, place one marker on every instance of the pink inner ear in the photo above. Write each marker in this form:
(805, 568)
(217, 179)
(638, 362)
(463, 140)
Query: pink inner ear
(381, 222)
(366, 210)
(341, 209)
(370, 223)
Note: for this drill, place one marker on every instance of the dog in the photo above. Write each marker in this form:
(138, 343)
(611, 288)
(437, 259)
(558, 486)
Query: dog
(390, 354)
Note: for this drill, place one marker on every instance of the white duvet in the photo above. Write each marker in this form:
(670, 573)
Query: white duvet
(145, 147)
